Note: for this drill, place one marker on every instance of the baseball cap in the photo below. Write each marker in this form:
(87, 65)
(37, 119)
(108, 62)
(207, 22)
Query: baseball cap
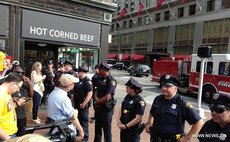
(67, 79)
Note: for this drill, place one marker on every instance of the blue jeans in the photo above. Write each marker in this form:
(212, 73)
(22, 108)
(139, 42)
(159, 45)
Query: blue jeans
(36, 101)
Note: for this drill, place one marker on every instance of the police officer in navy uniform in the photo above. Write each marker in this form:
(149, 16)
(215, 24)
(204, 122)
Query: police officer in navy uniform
(130, 115)
(83, 92)
(168, 115)
(69, 70)
(50, 72)
(95, 80)
(104, 104)
(219, 125)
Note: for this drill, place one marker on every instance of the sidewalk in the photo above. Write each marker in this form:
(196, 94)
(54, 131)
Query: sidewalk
(115, 131)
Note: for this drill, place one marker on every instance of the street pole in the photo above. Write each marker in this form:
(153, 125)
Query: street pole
(201, 110)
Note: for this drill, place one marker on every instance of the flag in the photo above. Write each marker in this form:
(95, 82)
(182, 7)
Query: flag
(123, 12)
(181, 1)
(141, 6)
(159, 3)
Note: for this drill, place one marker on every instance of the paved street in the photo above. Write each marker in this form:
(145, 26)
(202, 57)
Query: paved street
(151, 90)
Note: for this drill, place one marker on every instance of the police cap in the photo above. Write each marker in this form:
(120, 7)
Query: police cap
(104, 66)
(49, 62)
(133, 84)
(96, 67)
(68, 63)
(61, 63)
(82, 69)
(221, 99)
(170, 80)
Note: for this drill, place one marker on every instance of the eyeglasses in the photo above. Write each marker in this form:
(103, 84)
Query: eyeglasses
(217, 108)
(20, 72)
(18, 86)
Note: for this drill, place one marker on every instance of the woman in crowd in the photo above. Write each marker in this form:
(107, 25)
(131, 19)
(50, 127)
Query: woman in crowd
(38, 87)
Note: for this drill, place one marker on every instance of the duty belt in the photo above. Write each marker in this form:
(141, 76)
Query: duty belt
(162, 136)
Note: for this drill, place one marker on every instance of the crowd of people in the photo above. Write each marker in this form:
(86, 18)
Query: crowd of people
(69, 96)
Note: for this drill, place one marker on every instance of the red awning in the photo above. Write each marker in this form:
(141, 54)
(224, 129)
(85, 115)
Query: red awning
(125, 57)
(111, 56)
(137, 57)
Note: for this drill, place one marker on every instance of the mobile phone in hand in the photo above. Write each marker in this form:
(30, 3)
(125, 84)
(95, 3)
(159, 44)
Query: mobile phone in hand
(28, 99)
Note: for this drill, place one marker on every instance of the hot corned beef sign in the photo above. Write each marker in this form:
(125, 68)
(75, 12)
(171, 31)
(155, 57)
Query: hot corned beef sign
(39, 25)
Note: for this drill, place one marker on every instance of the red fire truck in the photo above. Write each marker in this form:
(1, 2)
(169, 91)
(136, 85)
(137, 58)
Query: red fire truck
(186, 68)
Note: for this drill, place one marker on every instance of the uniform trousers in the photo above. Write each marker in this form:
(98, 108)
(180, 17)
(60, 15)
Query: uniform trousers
(129, 135)
(103, 120)
(83, 115)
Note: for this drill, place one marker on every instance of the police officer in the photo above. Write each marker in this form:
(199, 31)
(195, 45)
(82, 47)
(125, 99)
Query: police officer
(219, 125)
(50, 72)
(104, 104)
(95, 80)
(168, 114)
(130, 115)
(83, 91)
(69, 68)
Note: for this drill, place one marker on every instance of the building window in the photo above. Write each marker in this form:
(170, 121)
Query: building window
(166, 15)
(112, 27)
(147, 20)
(118, 26)
(124, 24)
(131, 24)
(225, 4)
(192, 10)
(126, 3)
(139, 21)
(132, 5)
(158, 17)
(210, 5)
(118, 8)
(181, 12)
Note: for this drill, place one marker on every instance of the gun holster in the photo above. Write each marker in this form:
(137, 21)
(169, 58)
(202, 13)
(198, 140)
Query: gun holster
(141, 127)
(110, 104)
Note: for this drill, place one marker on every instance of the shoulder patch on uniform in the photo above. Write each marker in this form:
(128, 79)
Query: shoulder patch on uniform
(142, 103)
(113, 83)
(90, 82)
(189, 105)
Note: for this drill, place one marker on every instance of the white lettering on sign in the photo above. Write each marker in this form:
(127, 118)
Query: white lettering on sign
(88, 38)
(60, 34)
(38, 31)
(224, 84)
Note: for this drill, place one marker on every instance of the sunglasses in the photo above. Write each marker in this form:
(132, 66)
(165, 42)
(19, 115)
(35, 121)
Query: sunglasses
(19, 72)
(217, 108)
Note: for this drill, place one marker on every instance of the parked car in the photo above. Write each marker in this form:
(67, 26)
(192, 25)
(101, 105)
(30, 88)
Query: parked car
(129, 68)
(119, 66)
(139, 70)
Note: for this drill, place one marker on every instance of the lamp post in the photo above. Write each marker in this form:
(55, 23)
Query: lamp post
(203, 52)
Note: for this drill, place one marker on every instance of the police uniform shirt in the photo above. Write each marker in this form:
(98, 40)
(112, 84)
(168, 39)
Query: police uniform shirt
(170, 115)
(72, 72)
(131, 106)
(81, 89)
(95, 80)
(106, 85)
(213, 128)
(48, 79)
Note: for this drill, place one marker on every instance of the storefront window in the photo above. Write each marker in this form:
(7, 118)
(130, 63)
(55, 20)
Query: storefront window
(79, 56)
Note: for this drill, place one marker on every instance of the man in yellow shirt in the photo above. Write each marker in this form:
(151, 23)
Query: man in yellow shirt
(8, 118)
